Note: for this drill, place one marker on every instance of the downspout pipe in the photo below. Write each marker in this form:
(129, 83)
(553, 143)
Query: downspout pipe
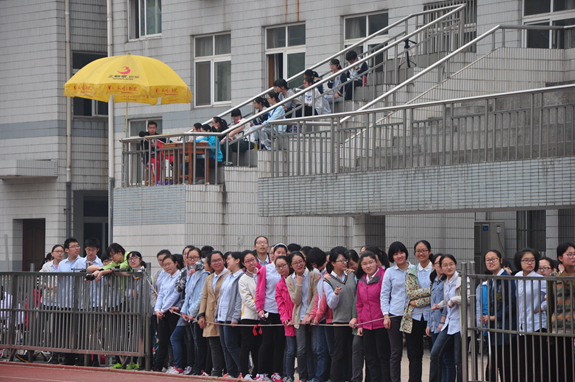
(111, 163)
(68, 124)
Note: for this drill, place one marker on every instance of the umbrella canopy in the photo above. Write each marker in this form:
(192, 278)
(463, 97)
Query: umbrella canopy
(129, 79)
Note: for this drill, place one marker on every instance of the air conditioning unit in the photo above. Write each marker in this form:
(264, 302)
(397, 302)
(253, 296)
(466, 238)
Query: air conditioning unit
(488, 235)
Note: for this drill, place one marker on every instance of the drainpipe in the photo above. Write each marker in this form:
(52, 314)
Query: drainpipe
(68, 124)
(111, 163)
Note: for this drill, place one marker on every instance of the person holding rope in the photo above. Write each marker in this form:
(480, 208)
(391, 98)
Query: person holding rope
(393, 299)
(207, 312)
(251, 337)
(273, 338)
(450, 332)
(168, 297)
(370, 318)
(340, 290)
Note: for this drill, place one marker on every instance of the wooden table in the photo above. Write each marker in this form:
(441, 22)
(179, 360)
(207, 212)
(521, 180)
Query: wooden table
(176, 148)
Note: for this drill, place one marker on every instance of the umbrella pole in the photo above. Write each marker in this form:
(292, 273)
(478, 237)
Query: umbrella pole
(126, 126)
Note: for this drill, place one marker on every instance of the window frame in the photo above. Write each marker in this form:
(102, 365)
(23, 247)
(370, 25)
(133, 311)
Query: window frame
(158, 120)
(212, 59)
(94, 103)
(547, 17)
(285, 50)
(135, 22)
(374, 41)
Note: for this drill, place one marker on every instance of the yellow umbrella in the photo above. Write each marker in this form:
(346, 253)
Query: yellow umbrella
(129, 79)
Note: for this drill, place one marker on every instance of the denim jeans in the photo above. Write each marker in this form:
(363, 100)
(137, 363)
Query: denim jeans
(322, 355)
(447, 361)
(179, 345)
(230, 339)
(441, 345)
(291, 352)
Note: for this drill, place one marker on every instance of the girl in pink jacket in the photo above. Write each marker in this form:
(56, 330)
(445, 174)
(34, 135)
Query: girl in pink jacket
(370, 317)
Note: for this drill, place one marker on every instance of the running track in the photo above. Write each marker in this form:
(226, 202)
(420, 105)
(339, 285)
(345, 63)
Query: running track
(19, 372)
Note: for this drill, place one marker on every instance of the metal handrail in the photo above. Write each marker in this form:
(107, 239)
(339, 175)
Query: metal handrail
(454, 53)
(426, 104)
(455, 8)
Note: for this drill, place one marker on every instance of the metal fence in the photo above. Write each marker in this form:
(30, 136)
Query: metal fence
(156, 161)
(528, 332)
(65, 313)
(537, 123)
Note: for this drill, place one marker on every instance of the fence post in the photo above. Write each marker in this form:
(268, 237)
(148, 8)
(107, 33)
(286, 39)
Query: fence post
(463, 316)
(146, 316)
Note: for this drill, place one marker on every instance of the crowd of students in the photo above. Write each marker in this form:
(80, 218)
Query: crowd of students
(341, 314)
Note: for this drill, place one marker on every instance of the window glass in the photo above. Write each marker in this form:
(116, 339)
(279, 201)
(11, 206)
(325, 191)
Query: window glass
(224, 44)
(533, 7)
(222, 81)
(538, 38)
(296, 35)
(154, 16)
(377, 22)
(296, 63)
(204, 46)
(276, 38)
(564, 39)
(355, 27)
(562, 5)
(203, 80)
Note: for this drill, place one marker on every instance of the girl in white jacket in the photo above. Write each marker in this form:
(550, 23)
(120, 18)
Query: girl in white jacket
(251, 337)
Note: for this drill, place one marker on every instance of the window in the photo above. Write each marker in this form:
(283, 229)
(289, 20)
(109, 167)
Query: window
(145, 18)
(359, 27)
(213, 69)
(549, 12)
(137, 125)
(285, 53)
(469, 14)
(83, 107)
(531, 230)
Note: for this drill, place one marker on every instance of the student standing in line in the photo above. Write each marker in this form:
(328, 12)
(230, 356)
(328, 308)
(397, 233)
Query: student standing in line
(532, 316)
(451, 330)
(561, 302)
(501, 297)
(273, 338)
(393, 299)
(251, 339)
(370, 318)
(206, 316)
(285, 309)
(434, 324)
(168, 297)
(302, 288)
(416, 313)
(228, 312)
(340, 290)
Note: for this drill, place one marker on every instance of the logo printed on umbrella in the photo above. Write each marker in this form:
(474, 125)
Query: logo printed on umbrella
(127, 70)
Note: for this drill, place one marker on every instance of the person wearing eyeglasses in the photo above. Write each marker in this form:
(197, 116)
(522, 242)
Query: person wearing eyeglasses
(340, 291)
(302, 288)
(546, 266)
(501, 314)
(561, 300)
(532, 315)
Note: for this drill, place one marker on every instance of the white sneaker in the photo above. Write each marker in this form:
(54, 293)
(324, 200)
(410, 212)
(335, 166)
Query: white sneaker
(164, 370)
(188, 370)
(248, 377)
(174, 370)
